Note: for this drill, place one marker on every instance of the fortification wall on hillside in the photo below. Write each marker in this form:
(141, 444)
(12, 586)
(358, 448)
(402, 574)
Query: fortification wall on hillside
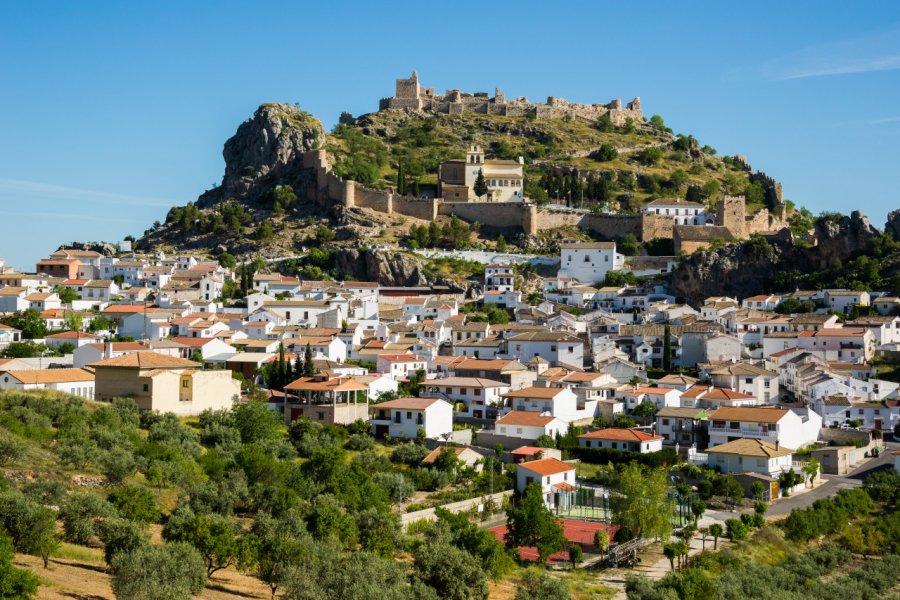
(410, 95)
(328, 189)
(495, 216)
(614, 227)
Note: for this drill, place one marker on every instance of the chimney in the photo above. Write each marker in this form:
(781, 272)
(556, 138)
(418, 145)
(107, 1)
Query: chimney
(107, 350)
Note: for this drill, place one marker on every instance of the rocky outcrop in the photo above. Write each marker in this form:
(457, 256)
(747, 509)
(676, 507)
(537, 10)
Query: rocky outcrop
(745, 268)
(104, 248)
(892, 226)
(266, 151)
(387, 268)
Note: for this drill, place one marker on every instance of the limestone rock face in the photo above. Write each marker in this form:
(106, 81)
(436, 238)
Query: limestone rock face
(387, 268)
(892, 226)
(266, 149)
(745, 268)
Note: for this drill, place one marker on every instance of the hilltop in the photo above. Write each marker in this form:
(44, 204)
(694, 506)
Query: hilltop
(278, 194)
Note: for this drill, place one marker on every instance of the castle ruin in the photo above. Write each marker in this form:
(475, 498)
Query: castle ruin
(410, 95)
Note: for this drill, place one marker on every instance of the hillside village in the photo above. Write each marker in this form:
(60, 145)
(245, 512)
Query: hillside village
(527, 377)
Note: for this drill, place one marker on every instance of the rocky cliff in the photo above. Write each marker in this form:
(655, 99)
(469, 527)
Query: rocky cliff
(387, 268)
(266, 151)
(750, 267)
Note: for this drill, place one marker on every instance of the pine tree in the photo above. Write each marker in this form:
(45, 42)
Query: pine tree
(279, 369)
(480, 188)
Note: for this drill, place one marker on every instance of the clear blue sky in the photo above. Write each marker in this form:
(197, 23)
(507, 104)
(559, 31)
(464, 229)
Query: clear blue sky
(110, 112)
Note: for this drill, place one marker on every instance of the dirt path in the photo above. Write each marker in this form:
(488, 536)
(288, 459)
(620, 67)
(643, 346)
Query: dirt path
(653, 565)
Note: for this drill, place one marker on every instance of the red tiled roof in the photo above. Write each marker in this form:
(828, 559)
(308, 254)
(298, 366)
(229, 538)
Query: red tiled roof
(623, 435)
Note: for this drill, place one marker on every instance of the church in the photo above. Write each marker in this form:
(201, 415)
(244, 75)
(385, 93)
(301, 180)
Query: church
(505, 179)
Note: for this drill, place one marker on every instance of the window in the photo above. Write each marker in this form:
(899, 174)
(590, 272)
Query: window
(146, 387)
(665, 421)
(184, 383)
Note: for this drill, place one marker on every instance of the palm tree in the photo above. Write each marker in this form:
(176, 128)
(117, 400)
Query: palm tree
(716, 531)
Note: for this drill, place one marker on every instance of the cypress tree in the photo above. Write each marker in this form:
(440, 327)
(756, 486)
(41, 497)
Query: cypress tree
(480, 188)
(308, 367)
(667, 349)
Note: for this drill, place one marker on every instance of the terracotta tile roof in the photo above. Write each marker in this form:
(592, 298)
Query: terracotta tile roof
(39, 376)
(192, 342)
(432, 456)
(477, 382)
(758, 414)
(127, 309)
(623, 435)
(750, 447)
(73, 335)
(726, 394)
(546, 466)
(524, 417)
(528, 450)
(485, 364)
(399, 358)
(123, 346)
(408, 403)
(566, 487)
(652, 390)
(337, 384)
(146, 360)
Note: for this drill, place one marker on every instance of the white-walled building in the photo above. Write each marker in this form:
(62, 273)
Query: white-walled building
(77, 382)
(556, 478)
(558, 402)
(751, 456)
(682, 212)
(589, 262)
(788, 428)
(527, 425)
(404, 417)
(631, 440)
(482, 398)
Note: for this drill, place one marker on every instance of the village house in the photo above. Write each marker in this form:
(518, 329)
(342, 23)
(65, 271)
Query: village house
(589, 262)
(631, 440)
(751, 456)
(9, 335)
(529, 426)
(842, 301)
(556, 478)
(511, 372)
(78, 382)
(556, 347)
(790, 428)
(327, 399)
(839, 344)
(481, 398)
(747, 379)
(683, 426)
(558, 402)
(400, 366)
(404, 417)
(164, 383)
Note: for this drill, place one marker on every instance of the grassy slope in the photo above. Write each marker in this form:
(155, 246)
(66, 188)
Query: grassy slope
(558, 142)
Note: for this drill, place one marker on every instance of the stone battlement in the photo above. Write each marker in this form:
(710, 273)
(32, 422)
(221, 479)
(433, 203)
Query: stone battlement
(410, 95)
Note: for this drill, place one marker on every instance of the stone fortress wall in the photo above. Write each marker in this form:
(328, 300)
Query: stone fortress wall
(510, 217)
(410, 95)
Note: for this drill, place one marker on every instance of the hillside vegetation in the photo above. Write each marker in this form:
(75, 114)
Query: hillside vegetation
(628, 165)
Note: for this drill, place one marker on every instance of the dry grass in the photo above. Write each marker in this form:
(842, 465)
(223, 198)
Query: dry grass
(68, 578)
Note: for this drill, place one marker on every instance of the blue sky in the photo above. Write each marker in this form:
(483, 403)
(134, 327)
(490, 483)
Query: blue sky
(110, 112)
